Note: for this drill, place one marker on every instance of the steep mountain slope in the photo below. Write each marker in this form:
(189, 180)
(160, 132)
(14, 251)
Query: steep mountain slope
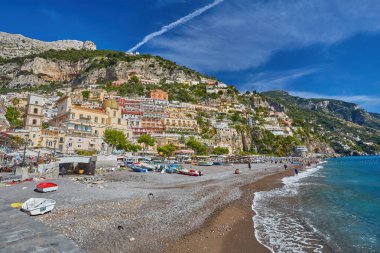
(344, 125)
(82, 67)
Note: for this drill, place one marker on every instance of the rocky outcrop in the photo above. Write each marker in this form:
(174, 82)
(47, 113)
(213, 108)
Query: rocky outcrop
(260, 101)
(76, 67)
(16, 45)
(36, 71)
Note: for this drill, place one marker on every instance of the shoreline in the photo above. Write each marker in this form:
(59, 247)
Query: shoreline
(230, 228)
(212, 213)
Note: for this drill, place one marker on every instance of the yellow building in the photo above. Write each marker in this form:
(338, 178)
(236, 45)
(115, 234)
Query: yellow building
(81, 121)
(178, 125)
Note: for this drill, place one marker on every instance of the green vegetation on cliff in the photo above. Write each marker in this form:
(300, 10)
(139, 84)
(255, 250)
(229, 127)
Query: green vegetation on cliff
(333, 122)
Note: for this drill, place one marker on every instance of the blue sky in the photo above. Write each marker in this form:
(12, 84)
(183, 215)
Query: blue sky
(314, 48)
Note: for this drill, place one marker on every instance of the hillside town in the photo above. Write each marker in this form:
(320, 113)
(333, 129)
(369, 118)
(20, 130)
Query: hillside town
(69, 121)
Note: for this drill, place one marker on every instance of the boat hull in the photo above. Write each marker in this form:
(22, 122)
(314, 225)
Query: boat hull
(140, 170)
(47, 189)
(205, 163)
(37, 206)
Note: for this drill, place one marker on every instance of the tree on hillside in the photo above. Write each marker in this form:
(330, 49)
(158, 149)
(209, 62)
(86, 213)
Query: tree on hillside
(116, 138)
(132, 147)
(13, 116)
(147, 140)
(198, 147)
(220, 151)
(166, 150)
(15, 102)
(133, 87)
(85, 94)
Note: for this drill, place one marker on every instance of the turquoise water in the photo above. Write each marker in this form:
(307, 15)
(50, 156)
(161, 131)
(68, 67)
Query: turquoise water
(343, 203)
(334, 207)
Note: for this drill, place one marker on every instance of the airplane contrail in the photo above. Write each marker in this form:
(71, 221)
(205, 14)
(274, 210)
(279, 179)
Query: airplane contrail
(171, 26)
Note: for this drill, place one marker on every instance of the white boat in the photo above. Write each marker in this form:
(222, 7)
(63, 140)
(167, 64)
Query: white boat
(36, 206)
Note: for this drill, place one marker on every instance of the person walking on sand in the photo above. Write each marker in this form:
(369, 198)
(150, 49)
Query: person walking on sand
(285, 166)
(296, 171)
(61, 171)
(249, 165)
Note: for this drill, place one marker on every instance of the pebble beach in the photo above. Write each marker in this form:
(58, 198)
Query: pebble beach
(124, 211)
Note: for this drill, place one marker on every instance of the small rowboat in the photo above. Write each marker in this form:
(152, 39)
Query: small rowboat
(189, 172)
(36, 206)
(47, 187)
(139, 169)
(205, 163)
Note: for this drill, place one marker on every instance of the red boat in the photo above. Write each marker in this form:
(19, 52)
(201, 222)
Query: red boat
(190, 172)
(47, 187)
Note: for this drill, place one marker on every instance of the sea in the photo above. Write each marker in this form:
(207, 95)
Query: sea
(332, 207)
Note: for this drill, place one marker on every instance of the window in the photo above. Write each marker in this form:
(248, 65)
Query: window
(36, 102)
(34, 122)
(73, 115)
(70, 144)
(96, 131)
(96, 119)
(119, 121)
(79, 146)
(102, 120)
(35, 111)
(114, 113)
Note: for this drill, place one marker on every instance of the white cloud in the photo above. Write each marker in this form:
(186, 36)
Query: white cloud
(275, 80)
(242, 34)
(174, 24)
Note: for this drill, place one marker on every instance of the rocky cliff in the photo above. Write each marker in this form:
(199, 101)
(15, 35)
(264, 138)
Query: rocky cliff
(16, 45)
(82, 67)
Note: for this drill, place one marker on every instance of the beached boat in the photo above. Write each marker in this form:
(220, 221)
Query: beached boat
(47, 187)
(148, 166)
(139, 169)
(36, 206)
(205, 163)
(171, 170)
(189, 172)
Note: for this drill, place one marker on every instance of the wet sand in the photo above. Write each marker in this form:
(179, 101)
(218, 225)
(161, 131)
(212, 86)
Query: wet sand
(230, 228)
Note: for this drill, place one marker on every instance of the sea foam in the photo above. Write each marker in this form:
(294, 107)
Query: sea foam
(277, 223)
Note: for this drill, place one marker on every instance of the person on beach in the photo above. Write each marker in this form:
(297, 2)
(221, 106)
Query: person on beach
(61, 171)
(249, 165)
(296, 171)
(285, 166)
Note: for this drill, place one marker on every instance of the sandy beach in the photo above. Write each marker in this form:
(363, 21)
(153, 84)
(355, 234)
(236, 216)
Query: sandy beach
(211, 213)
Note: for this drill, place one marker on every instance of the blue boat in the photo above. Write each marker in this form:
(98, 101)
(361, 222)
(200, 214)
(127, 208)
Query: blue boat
(171, 170)
(139, 170)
